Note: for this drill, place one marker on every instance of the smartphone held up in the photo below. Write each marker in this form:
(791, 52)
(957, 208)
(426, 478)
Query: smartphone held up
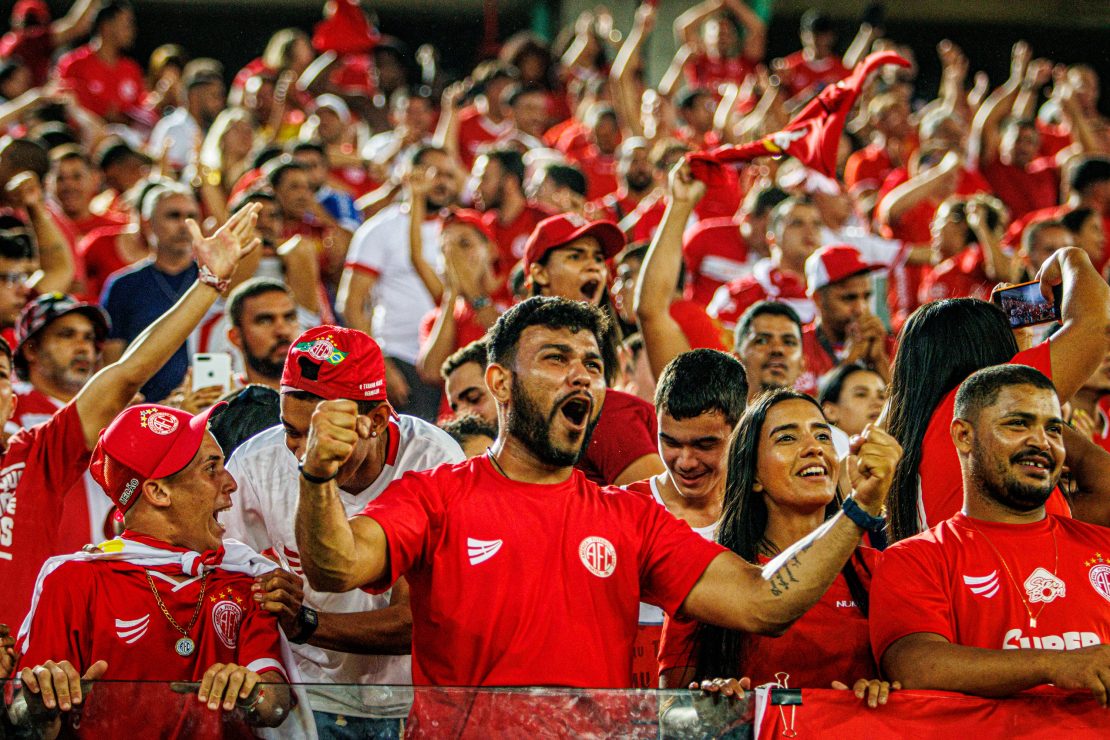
(1025, 305)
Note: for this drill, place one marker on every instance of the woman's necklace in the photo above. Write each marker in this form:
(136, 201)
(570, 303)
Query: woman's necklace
(185, 646)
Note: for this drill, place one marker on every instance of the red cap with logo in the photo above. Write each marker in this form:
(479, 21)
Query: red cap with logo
(334, 362)
(146, 442)
(831, 264)
(558, 231)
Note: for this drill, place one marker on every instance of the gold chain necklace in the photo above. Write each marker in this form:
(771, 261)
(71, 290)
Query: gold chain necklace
(1021, 592)
(185, 646)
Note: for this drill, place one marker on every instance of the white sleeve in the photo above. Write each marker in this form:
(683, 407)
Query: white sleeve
(245, 521)
(369, 247)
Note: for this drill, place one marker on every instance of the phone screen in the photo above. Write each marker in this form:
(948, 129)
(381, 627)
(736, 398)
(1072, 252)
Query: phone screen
(1025, 306)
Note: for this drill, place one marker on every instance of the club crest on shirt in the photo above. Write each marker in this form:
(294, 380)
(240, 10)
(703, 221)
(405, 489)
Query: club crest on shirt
(1042, 586)
(1099, 574)
(227, 615)
(598, 555)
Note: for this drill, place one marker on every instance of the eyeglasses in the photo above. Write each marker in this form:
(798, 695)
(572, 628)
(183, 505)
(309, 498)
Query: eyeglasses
(14, 278)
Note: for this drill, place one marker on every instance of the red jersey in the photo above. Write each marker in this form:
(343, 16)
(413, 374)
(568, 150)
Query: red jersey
(626, 431)
(703, 70)
(829, 643)
(867, 168)
(87, 514)
(1025, 189)
(100, 87)
(962, 276)
(40, 466)
(511, 237)
(649, 210)
(822, 355)
(482, 555)
(801, 74)
(98, 257)
(477, 131)
(972, 581)
(76, 230)
(942, 486)
(104, 610)
(33, 46)
(701, 331)
(766, 283)
(715, 253)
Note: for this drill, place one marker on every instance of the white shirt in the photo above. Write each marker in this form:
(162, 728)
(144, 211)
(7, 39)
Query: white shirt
(184, 131)
(380, 247)
(263, 516)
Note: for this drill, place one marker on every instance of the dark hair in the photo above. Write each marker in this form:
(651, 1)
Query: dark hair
(249, 411)
(249, 289)
(116, 152)
(940, 345)
(51, 134)
(276, 170)
(815, 20)
(16, 244)
(701, 381)
(265, 155)
(315, 146)
(511, 161)
(1073, 220)
(831, 384)
(766, 200)
(1090, 171)
(422, 151)
(763, 308)
(363, 407)
(982, 388)
(463, 428)
(475, 352)
(258, 192)
(68, 152)
(515, 92)
(22, 155)
(550, 312)
(687, 99)
(567, 176)
(778, 213)
(108, 11)
(719, 651)
(1033, 231)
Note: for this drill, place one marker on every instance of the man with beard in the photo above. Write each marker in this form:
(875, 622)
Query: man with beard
(182, 129)
(344, 638)
(1001, 597)
(264, 321)
(381, 293)
(57, 351)
(498, 183)
(635, 180)
(540, 570)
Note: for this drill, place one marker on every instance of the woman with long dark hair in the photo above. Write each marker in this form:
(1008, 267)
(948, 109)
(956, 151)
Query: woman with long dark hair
(781, 486)
(943, 343)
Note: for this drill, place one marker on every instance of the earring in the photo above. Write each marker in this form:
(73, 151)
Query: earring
(373, 434)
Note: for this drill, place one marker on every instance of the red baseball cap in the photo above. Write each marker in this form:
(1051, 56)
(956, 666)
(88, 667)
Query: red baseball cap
(836, 262)
(145, 442)
(557, 231)
(26, 8)
(469, 217)
(334, 362)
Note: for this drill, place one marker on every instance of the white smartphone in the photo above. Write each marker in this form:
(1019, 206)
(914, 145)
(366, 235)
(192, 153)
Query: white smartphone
(212, 368)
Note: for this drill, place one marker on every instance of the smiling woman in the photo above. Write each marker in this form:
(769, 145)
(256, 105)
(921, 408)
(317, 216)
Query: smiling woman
(781, 486)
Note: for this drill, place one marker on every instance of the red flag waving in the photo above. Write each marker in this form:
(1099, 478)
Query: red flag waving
(346, 31)
(812, 137)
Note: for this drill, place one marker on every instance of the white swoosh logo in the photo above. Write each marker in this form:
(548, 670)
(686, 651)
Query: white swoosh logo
(479, 551)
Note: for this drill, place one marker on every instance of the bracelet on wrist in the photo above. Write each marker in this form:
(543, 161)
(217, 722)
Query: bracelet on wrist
(315, 479)
(861, 518)
(209, 278)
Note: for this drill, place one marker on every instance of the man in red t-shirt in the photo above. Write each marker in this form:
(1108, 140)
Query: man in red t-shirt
(635, 183)
(72, 183)
(484, 121)
(42, 464)
(1003, 596)
(845, 330)
(129, 612)
(482, 543)
(106, 82)
(498, 175)
(34, 37)
(815, 66)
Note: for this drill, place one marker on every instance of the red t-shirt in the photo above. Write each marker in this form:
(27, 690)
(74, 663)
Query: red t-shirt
(34, 47)
(476, 131)
(703, 70)
(517, 584)
(101, 87)
(801, 74)
(76, 230)
(942, 483)
(701, 331)
(867, 168)
(1014, 232)
(41, 465)
(734, 298)
(104, 610)
(962, 276)
(821, 357)
(715, 253)
(512, 236)
(98, 257)
(950, 581)
(1025, 189)
(829, 643)
(626, 431)
(615, 207)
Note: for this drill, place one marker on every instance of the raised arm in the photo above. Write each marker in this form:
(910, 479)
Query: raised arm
(625, 88)
(936, 183)
(662, 335)
(861, 44)
(755, 30)
(1089, 465)
(1079, 346)
(337, 555)
(984, 140)
(735, 594)
(418, 182)
(447, 129)
(687, 25)
(74, 24)
(57, 269)
(106, 394)
(998, 266)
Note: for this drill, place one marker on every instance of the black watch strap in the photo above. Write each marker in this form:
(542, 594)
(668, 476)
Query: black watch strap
(307, 622)
(315, 479)
(862, 519)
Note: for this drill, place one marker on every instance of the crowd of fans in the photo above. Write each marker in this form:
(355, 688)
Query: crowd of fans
(512, 387)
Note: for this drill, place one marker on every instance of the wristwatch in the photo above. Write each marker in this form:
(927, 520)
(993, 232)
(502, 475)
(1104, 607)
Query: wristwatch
(307, 622)
(862, 519)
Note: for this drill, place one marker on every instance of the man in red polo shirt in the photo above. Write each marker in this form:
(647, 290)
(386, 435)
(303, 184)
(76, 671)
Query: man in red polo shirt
(794, 233)
(804, 73)
(845, 329)
(1003, 596)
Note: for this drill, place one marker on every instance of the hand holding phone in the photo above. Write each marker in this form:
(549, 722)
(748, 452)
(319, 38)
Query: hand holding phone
(1026, 305)
(212, 369)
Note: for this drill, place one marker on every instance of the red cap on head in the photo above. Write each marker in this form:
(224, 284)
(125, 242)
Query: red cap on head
(470, 217)
(37, 9)
(145, 442)
(334, 362)
(558, 231)
(834, 263)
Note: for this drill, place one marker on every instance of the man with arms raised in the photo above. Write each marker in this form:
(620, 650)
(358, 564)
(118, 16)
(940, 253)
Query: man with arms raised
(482, 542)
(350, 637)
(1001, 597)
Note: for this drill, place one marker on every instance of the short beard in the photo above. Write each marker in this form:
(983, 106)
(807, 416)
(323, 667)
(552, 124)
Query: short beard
(263, 365)
(639, 184)
(1004, 489)
(526, 422)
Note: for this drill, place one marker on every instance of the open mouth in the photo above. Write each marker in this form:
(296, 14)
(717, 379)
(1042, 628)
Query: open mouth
(576, 410)
(216, 516)
(590, 289)
(1036, 464)
(813, 471)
